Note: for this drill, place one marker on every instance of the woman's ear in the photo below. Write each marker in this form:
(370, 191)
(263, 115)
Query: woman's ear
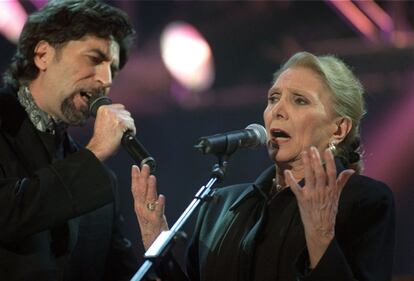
(43, 52)
(344, 125)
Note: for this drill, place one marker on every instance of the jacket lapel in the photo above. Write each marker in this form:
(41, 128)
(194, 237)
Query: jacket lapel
(25, 142)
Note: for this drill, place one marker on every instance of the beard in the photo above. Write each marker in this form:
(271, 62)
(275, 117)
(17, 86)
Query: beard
(74, 117)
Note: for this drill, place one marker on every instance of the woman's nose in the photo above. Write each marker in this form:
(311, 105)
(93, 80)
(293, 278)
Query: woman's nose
(280, 110)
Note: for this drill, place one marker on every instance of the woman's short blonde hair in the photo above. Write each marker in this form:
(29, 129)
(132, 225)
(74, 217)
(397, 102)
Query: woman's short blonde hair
(347, 98)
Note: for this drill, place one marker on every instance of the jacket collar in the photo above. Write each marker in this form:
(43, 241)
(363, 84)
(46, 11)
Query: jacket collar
(12, 114)
(21, 134)
(257, 188)
(40, 119)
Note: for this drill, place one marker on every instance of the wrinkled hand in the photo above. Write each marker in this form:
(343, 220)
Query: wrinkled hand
(110, 124)
(318, 200)
(148, 205)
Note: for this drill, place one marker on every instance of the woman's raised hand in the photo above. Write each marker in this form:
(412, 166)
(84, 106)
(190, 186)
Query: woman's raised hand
(148, 205)
(318, 200)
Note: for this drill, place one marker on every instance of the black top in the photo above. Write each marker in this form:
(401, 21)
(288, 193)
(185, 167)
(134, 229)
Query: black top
(238, 236)
(269, 239)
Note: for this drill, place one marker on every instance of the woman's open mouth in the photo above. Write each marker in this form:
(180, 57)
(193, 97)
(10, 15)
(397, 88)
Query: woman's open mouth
(279, 136)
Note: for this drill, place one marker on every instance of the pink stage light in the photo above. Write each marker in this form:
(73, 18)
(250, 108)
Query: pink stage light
(39, 3)
(389, 147)
(377, 15)
(360, 21)
(187, 56)
(12, 18)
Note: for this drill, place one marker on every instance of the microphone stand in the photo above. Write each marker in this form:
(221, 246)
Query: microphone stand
(166, 239)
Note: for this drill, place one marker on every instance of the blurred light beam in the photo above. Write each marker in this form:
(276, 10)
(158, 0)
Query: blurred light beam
(377, 15)
(354, 15)
(389, 147)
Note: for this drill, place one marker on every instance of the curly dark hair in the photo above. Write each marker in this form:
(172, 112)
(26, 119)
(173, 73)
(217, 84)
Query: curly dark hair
(62, 21)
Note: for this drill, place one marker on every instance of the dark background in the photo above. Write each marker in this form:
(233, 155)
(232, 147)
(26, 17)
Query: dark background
(249, 41)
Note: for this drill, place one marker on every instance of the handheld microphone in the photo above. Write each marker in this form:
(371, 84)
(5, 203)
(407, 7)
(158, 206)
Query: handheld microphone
(131, 144)
(225, 144)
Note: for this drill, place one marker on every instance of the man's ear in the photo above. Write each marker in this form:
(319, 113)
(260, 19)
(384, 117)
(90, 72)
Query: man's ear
(344, 125)
(43, 54)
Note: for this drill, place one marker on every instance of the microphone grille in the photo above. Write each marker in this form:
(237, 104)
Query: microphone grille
(260, 132)
(95, 102)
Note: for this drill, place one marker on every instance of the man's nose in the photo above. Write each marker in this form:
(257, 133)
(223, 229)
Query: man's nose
(104, 75)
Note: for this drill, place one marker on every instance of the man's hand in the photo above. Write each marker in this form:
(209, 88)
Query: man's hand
(110, 124)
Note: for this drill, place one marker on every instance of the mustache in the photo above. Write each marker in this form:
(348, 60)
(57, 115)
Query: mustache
(92, 94)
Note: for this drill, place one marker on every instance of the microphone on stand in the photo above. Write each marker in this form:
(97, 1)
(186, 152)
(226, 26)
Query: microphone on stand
(131, 144)
(253, 135)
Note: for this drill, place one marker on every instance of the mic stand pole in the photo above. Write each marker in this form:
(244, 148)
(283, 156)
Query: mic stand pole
(165, 240)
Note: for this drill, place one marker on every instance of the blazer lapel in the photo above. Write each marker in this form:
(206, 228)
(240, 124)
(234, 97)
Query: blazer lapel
(29, 148)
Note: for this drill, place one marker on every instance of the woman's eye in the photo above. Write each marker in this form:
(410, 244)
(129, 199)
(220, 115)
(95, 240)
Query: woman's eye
(301, 101)
(272, 99)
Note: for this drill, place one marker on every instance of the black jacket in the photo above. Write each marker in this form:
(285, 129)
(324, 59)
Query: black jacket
(58, 218)
(239, 224)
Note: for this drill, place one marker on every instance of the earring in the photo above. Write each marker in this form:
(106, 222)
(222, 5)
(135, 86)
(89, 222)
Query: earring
(332, 146)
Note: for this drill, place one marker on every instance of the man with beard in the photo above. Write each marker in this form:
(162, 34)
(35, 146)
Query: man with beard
(58, 207)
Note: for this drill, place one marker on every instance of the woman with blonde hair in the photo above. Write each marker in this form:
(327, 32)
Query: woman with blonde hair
(311, 215)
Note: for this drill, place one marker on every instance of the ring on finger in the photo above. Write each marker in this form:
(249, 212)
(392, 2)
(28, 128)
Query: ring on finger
(151, 206)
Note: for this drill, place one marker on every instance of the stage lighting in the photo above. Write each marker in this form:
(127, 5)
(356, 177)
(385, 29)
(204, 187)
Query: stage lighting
(12, 19)
(187, 56)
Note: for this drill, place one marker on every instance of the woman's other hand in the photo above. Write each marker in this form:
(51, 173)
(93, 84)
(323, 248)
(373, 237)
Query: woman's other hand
(148, 205)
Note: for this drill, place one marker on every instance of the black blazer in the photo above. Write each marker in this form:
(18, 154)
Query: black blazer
(58, 220)
(361, 250)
